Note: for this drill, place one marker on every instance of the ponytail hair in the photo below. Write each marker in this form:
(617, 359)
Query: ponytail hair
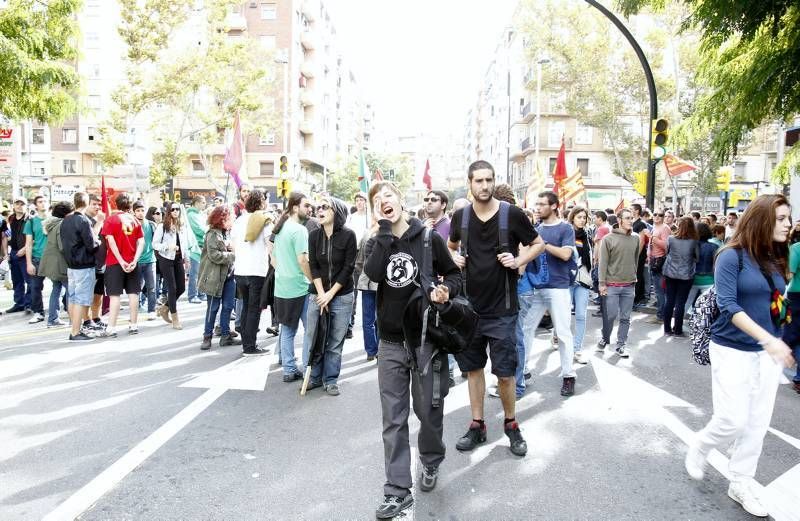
(294, 200)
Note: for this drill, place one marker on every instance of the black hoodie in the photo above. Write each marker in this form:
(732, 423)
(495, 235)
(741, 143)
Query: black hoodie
(394, 264)
(334, 259)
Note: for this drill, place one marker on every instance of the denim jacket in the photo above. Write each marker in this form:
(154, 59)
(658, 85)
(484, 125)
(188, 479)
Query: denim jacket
(705, 259)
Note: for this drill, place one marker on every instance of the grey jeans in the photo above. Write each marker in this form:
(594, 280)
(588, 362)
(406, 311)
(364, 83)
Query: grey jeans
(618, 302)
(398, 381)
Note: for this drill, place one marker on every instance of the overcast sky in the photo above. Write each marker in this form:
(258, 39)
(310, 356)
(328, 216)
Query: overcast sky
(420, 62)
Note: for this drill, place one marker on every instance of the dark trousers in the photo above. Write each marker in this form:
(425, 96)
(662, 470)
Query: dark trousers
(36, 285)
(397, 382)
(174, 276)
(20, 279)
(249, 289)
(639, 292)
(677, 293)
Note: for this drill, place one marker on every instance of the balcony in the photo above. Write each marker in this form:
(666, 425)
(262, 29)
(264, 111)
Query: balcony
(307, 40)
(309, 9)
(306, 127)
(236, 22)
(306, 97)
(525, 144)
(530, 76)
(526, 115)
(308, 68)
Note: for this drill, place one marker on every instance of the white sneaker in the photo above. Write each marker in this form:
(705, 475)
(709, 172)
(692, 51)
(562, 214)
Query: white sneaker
(151, 316)
(493, 391)
(36, 318)
(554, 342)
(581, 357)
(742, 492)
(695, 463)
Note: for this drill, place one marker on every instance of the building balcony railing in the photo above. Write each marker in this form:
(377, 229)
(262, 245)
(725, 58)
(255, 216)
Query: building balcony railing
(236, 22)
(306, 127)
(525, 144)
(307, 40)
(306, 97)
(309, 9)
(308, 68)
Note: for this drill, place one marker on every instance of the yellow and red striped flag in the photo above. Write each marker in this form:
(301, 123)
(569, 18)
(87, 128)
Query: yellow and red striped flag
(572, 187)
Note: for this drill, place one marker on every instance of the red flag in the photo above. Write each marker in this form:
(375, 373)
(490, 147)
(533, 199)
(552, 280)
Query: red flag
(426, 177)
(377, 176)
(105, 206)
(620, 206)
(676, 166)
(560, 173)
(233, 157)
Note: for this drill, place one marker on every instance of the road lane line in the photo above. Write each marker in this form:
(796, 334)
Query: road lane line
(87, 496)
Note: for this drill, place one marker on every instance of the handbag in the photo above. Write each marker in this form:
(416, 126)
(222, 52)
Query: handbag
(583, 277)
(537, 272)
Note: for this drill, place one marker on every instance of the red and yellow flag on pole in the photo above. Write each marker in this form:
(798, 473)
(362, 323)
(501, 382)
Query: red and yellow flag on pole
(560, 173)
(676, 166)
(572, 188)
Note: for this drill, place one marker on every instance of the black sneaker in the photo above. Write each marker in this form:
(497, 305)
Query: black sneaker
(518, 446)
(15, 309)
(474, 437)
(349, 333)
(568, 387)
(428, 480)
(206, 345)
(80, 337)
(527, 375)
(297, 375)
(312, 385)
(229, 340)
(272, 331)
(254, 351)
(391, 506)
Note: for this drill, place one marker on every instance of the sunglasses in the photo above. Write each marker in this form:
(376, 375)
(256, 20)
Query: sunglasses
(175, 210)
(323, 207)
(156, 213)
(658, 215)
(431, 199)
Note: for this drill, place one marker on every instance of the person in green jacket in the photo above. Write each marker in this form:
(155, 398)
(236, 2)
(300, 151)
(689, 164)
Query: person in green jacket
(196, 214)
(53, 265)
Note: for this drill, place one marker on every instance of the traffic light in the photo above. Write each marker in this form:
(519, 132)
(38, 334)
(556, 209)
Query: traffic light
(724, 180)
(284, 188)
(659, 138)
(284, 164)
(640, 181)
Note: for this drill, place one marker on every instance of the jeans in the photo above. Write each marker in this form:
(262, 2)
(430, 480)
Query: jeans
(559, 302)
(286, 341)
(147, 274)
(660, 293)
(677, 292)
(194, 272)
(525, 336)
(368, 326)
(21, 280)
(340, 309)
(618, 302)
(213, 305)
(580, 299)
(249, 288)
(693, 294)
(55, 297)
(37, 286)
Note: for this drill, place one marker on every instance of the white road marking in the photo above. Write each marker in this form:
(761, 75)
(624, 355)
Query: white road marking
(245, 374)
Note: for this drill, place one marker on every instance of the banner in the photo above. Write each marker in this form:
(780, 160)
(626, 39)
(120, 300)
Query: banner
(8, 147)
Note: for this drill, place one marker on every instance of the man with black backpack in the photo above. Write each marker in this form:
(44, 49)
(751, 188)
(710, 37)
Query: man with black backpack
(495, 240)
(402, 252)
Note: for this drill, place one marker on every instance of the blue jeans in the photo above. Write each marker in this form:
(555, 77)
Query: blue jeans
(213, 305)
(340, 308)
(20, 279)
(558, 302)
(796, 353)
(525, 335)
(618, 303)
(194, 272)
(286, 341)
(657, 278)
(580, 299)
(55, 297)
(37, 286)
(147, 274)
(368, 301)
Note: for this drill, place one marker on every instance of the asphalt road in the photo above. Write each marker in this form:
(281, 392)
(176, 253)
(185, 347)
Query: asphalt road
(149, 427)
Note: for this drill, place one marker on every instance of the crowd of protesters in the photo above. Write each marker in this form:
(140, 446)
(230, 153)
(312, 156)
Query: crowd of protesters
(518, 268)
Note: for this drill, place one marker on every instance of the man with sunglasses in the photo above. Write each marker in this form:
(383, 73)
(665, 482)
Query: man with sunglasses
(657, 256)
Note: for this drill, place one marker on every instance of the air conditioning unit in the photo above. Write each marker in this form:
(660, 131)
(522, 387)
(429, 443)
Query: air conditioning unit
(253, 5)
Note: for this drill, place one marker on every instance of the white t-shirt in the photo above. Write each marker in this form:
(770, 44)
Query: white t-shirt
(252, 258)
(359, 223)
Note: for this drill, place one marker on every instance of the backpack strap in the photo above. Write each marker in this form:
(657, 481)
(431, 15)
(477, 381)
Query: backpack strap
(426, 279)
(465, 216)
(502, 238)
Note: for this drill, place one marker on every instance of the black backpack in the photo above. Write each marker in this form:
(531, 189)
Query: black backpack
(502, 246)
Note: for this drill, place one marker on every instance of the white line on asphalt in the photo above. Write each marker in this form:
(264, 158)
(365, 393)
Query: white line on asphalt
(246, 374)
(794, 442)
(87, 496)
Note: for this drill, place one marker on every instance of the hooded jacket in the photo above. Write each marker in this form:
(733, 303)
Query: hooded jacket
(394, 264)
(79, 244)
(197, 223)
(53, 264)
(333, 258)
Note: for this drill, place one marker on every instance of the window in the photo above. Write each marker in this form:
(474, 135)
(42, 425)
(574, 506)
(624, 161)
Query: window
(583, 166)
(69, 136)
(268, 41)
(98, 166)
(94, 70)
(552, 166)
(70, 166)
(267, 140)
(555, 133)
(92, 133)
(583, 135)
(37, 136)
(94, 101)
(198, 168)
(269, 11)
(37, 169)
(558, 102)
(740, 169)
(266, 168)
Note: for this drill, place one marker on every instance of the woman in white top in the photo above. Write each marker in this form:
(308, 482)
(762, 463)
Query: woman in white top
(172, 242)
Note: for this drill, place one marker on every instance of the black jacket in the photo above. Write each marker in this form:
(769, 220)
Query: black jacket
(78, 242)
(394, 264)
(334, 259)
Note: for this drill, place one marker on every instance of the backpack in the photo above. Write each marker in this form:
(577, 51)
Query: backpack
(705, 312)
(502, 239)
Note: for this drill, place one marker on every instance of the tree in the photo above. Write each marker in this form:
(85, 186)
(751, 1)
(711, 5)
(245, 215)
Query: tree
(38, 46)
(343, 179)
(750, 64)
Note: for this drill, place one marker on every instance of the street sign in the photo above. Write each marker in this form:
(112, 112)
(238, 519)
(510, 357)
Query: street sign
(8, 147)
(64, 192)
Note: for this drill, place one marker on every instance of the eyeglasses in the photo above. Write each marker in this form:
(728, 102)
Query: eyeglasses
(431, 199)
(156, 213)
(658, 215)
(175, 210)
(323, 207)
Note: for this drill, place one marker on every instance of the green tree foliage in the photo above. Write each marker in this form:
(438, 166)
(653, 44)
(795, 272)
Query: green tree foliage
(343, 180)
(750, 62)
(38, 47)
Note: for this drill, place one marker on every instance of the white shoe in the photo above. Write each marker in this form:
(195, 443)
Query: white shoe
(493, 391)
(36, 318)
(742, 492)
(554, 342)
(151, 316)
(695, 463)
(581, 357)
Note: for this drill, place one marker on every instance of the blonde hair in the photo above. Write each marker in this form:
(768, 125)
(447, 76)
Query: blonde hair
(380, 185)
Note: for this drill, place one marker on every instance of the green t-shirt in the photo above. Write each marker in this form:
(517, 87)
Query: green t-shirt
(33, 227)
(794, 267)
(289, 279)
(147, 257)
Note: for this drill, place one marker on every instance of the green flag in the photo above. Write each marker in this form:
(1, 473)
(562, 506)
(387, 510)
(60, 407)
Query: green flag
(363, 175)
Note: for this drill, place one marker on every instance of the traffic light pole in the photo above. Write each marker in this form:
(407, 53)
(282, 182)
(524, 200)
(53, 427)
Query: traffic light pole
(651, 88)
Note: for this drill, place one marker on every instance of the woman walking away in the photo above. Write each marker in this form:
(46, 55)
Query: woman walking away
(704, 271)
(331, 256)
(215, 277)
(172, 243)
(53, 264)
(682, 254)
(746, 349)
(583, 279)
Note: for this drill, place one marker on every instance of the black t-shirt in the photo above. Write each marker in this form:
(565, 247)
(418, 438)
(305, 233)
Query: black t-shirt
(486, 288)
(638, 225)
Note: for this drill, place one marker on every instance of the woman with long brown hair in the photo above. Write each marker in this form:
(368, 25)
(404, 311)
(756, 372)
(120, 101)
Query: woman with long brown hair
(678, 271)
(746, 349)
(172, 243)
